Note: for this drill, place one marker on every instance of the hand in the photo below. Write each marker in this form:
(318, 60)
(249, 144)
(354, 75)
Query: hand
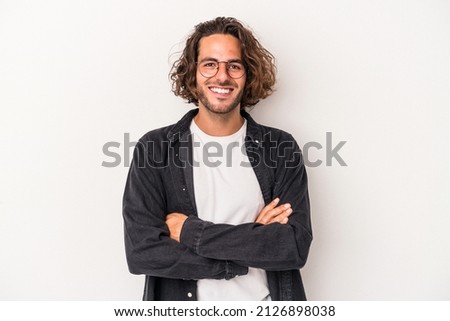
(274, 213)
(174, 222)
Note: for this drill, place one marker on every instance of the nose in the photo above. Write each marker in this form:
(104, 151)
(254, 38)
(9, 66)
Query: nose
(222, 73)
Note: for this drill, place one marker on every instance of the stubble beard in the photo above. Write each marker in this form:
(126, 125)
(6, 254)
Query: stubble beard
(215, 108)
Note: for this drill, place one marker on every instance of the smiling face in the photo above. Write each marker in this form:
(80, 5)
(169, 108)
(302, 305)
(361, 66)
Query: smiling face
(220, 94)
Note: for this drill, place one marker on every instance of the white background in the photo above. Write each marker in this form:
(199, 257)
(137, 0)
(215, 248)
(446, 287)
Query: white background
(75, 75)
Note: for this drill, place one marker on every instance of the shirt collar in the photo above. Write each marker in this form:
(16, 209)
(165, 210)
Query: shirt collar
(181, 128)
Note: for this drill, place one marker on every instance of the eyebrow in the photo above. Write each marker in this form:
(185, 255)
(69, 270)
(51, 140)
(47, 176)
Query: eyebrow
(214, 59)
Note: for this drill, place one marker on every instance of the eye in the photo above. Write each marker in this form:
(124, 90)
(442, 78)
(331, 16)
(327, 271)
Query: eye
(235, 66)
(209, 64)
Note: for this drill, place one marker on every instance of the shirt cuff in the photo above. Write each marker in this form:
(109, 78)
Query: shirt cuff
(233, 270)
(191, 233)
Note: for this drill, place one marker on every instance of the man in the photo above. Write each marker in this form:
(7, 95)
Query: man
(216, 206)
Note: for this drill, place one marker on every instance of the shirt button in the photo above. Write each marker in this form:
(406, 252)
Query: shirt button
(189, 294)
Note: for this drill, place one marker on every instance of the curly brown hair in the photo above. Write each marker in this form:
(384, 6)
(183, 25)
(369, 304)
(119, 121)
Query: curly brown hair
(259, 62)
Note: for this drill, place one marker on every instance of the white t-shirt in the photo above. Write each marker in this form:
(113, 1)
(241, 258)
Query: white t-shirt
(227, 191)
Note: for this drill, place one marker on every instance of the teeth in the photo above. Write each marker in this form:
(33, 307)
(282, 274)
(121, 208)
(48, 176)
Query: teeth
(220, 90)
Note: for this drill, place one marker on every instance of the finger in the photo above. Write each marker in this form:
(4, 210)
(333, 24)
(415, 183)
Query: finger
(282, 217)
(267, 208)
(270, 206)
(267, 217)
(278, 210)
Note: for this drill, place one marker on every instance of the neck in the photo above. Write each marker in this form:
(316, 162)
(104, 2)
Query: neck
(215, 124)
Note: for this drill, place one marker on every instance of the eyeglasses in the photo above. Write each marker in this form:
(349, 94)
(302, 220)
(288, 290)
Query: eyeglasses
(210, 68)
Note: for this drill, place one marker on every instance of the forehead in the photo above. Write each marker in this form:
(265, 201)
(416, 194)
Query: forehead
(219, 46)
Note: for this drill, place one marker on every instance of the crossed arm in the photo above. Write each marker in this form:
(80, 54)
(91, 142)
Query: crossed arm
(271, 213)
(185, 247)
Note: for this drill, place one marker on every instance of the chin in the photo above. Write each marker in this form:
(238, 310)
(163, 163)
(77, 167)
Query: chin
(220, 109)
